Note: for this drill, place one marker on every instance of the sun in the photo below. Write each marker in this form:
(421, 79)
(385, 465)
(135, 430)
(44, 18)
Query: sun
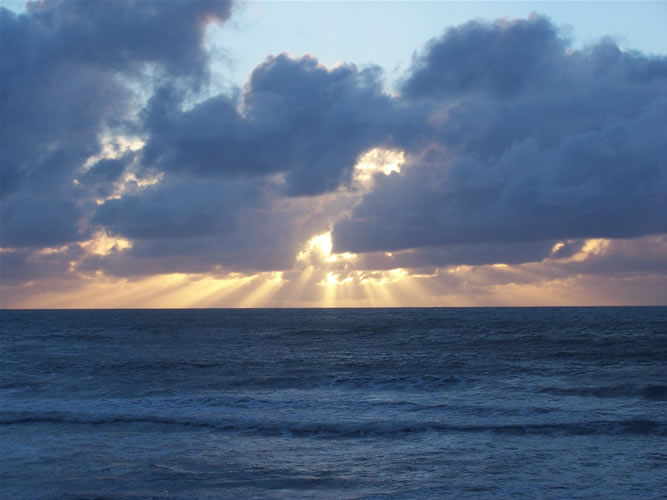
(322, 243)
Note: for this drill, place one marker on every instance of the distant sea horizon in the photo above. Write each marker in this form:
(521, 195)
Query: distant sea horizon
(317, 307)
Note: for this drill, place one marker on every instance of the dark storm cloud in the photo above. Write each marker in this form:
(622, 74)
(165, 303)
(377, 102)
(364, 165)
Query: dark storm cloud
(63, 78)
(531, 143)
(294, 117)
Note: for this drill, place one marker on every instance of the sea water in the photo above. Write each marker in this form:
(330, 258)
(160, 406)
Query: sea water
(334, 403)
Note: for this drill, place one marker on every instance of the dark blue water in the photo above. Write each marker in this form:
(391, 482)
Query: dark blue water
(357, 403)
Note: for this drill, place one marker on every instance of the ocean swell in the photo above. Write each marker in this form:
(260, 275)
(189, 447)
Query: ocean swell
(343, 430)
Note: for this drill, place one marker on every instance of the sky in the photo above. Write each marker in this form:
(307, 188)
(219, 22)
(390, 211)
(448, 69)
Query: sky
(332, 154)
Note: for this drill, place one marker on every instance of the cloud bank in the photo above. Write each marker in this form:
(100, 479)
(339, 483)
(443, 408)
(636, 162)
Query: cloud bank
(518, 150)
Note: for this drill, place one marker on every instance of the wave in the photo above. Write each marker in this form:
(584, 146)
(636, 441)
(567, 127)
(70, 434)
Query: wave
(396, 382)
(653, 392)
(152, 365)
(347, 429)
(402, 383)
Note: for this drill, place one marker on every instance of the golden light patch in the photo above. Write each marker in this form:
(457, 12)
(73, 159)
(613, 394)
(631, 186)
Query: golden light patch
(377, 160)
(459, 269)
(333, 279)
(557, 247)
(114, 147)
(130, 179)
(103, 244)
(341, 256)
(594, 246)
(53, 250)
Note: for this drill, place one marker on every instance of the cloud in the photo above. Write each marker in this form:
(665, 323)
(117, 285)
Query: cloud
(571, 150)
(499, 58)
(186, 224)
(295, 117)
(175, 210)
(21, 266)
(194, 225)
(65, 73)
(456, 255)
(123, 35)
(646, 256)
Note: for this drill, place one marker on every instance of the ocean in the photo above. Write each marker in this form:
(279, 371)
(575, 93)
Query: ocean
(334, 403)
